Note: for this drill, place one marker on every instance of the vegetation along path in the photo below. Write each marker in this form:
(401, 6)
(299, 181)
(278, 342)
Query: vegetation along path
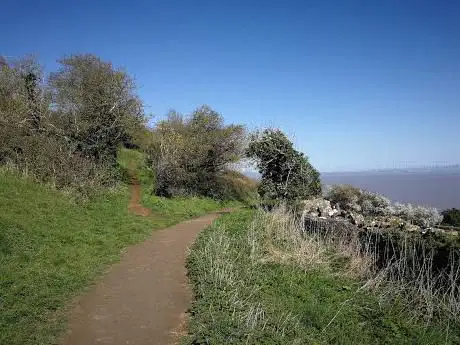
(142, 299)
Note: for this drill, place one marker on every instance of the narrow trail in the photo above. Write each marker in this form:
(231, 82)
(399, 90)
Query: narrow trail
(135, 205)
(143, 299)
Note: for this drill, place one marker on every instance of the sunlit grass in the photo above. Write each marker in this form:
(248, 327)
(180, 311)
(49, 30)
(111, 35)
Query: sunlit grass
(52, 247)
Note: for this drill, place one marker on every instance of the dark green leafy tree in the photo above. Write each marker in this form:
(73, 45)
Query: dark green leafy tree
(286, 174)
(451, 217)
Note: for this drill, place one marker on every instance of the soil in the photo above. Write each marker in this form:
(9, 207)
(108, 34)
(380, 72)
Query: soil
(135, 205)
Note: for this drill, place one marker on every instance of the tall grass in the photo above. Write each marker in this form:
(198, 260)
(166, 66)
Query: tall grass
(258, 279)
(404, 272)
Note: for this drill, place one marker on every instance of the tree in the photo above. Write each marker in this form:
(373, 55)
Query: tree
(189, 154)
(22, 96)
(98, 104)
(60, 133)
(24, 103)
(286, 173)
(451, 217)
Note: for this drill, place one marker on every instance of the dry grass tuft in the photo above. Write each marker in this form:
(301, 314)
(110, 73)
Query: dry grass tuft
(281, 237)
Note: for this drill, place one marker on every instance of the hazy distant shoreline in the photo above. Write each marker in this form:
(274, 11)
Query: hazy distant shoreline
(435, 187)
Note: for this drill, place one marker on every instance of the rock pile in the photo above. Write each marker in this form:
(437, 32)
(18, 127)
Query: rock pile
(323, 209)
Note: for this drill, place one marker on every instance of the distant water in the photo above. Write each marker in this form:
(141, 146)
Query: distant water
(435, 187)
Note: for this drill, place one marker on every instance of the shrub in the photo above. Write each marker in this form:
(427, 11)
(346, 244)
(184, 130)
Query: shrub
(375, 204)
(51, 160)
(451, 217)
(418, 215)
(354, 199)
(191, 154)
(66, 133)
(98, 104)
(236, 186)
(347, 197)
(286, 173)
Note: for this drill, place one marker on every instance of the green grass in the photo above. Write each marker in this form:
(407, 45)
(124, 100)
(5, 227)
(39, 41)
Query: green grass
(184, 207)
(133, 163)
(52, 247)
(245, 301)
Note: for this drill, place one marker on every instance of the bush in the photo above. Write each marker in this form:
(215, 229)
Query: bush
(418, 215)
(190, 155)
(451, 217)
(98, 103)
(347, 197)
(67, 132)
(286, 173)
(52, 161)
(354, 199)
(236, 186)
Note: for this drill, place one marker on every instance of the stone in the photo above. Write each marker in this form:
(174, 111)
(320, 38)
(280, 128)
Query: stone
(334, 213)
(356, 219)
(318, 206)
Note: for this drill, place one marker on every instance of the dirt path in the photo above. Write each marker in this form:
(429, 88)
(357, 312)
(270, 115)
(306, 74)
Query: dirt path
(142, 299)
(135, 205)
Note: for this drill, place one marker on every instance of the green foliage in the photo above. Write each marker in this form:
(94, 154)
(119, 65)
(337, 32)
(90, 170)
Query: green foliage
(52, 246)
(189, 154)
(237, 186)
(243, 300)
(133, 164)
(21, 92)
(67, 132)
(347, 196)
(286, 173)
(451, 217)
(98, 105)
(24, 102)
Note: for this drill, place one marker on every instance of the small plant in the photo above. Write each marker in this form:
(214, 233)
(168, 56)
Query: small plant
(347, 197)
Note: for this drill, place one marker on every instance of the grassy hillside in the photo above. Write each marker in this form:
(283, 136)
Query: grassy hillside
(251, 290)
(52, 247)
(133, 164)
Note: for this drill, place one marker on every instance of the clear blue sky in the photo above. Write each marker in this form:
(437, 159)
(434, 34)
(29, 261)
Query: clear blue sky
(357, 84)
